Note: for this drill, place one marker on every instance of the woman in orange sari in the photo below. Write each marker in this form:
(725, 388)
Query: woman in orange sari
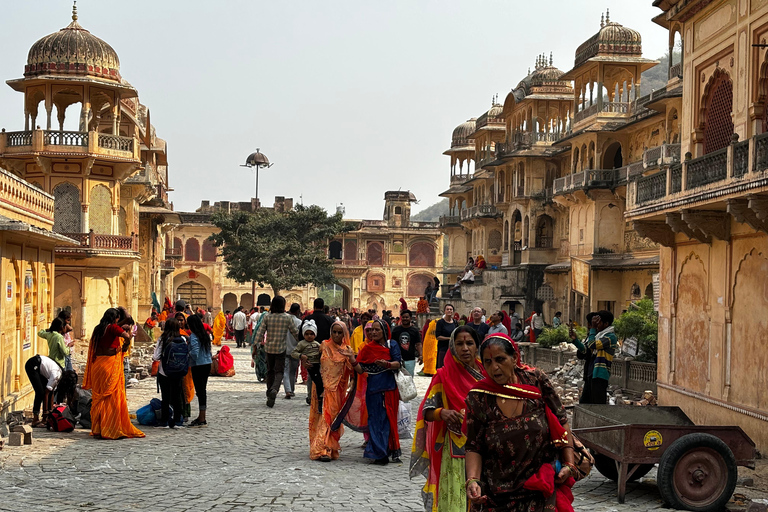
(219, 328)
(336, 370)
(105, 377)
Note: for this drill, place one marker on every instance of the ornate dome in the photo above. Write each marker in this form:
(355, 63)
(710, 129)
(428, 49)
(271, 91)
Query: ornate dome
(462, 133)
(496, 110)
(545, 75)
(73, 51)
(611, 40)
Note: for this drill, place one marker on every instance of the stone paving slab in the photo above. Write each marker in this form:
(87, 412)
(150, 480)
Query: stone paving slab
(249, 458)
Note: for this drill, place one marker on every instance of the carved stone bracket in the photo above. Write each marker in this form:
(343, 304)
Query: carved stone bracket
(678, 225)
(710, 222)
(658, 231)
(741, 212)
(759, 205)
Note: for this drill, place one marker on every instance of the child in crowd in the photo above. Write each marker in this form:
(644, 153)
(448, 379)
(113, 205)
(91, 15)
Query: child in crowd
(308, 351)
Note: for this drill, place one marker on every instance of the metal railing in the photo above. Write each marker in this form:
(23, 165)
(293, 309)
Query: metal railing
(18, 139)
(676, 178)
(483, 210)
(740, 158)
(115, 142)
(62, 138)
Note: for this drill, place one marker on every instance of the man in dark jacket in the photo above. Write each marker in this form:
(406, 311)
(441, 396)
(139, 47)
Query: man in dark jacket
(322, 320)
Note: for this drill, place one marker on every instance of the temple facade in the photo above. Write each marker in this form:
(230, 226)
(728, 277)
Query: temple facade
(85, 183)
(708, 213)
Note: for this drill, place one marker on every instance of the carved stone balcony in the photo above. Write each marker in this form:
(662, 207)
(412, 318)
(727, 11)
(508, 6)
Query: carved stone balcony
(18, 144)
(732, 181)
(447, 221)
(607, 107)
(95, 243)
(665, 154)
(584, 180)
(676, 71)
(173, 252)
(480, 211)
(24, 201)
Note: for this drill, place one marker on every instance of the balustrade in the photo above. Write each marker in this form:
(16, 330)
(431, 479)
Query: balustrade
(707, 169)
(115, 142)
(18, 139)
(62, 138)
(740, 158)
(676, 178)
(676, 71)
(93, 240)
(651, 188)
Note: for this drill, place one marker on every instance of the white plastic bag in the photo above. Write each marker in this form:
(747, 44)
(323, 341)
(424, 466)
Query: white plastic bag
(404, 421)
(405, 385)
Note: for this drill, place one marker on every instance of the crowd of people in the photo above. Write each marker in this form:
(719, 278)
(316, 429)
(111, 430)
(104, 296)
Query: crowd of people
(491, 432)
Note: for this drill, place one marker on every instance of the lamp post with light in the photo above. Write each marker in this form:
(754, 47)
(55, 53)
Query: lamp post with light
(256, 161)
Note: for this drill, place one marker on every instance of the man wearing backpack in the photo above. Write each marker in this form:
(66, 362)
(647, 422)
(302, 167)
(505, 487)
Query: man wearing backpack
(172, 351)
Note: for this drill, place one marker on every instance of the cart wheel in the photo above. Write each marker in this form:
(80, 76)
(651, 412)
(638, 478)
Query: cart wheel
(607, 467)
(698, 473)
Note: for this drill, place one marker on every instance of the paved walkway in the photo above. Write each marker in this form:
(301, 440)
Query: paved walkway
(249, 457)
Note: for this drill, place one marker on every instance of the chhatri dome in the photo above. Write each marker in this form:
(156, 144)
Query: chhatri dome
(612, 40)
(462, 133)
(73, 51)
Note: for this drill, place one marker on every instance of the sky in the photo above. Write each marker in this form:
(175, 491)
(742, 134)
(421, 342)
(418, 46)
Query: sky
(348, 99)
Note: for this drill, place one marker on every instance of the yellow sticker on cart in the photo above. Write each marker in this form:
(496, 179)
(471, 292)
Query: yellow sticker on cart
(652, 440)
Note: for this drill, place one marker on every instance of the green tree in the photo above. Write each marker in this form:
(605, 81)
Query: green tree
(640, 322)
(280, 250)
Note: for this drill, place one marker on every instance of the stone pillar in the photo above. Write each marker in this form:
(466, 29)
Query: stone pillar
(85, 223)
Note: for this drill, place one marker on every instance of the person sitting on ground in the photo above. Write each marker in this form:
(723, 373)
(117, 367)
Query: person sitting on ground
(480, 265)
(456, 286)
(470, 264)
(308, 351)
(517, 334)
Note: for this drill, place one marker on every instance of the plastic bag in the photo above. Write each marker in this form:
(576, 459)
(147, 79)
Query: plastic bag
(405, 385)
(404, 421)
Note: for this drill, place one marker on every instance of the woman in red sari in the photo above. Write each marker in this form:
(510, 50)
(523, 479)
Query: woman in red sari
(438, 445)
(336, 370)
(105, 377)
(519, 455)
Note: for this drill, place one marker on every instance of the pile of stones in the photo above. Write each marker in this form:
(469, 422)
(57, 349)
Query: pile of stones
(141, 361)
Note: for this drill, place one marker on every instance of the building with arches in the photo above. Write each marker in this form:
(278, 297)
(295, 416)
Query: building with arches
(544, 194)
(380, 261)
(199, 275)
(708, 213)
(88, 142)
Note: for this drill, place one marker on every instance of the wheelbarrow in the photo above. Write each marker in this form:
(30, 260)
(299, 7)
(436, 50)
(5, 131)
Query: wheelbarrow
(697, 464)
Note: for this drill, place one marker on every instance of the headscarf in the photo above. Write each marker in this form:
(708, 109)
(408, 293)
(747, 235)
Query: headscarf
(559, 435)
(507, 322)
(334, 365)
(309, 325)
(226, 361)
(453, 381)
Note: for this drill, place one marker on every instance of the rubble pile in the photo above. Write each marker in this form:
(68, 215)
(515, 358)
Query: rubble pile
(141, 361)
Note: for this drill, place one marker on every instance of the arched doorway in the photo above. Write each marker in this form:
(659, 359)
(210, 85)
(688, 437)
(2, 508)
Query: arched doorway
(67, 296)
(263, 300)
(544, 231)
(193, 294)
(246, 301)
(376, 254)
(192, 250)
(421, 254)
(334, 250)
(417, 283)
(612, 157)
(229, 302)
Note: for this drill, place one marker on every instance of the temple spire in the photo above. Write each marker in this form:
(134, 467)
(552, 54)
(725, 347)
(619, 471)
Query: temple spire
(74, 11)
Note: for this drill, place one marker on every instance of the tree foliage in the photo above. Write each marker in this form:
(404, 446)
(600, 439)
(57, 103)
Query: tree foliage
(281, 250)
(640, 322)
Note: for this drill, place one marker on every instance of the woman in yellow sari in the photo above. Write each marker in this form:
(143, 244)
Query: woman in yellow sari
(336, 370)
(429, 352)
(104, 376)
(219, 326)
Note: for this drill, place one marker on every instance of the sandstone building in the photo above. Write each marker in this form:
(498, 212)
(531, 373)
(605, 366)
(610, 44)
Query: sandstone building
(89, 166)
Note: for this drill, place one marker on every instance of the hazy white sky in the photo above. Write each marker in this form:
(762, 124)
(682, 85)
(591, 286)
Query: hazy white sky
(347, 98)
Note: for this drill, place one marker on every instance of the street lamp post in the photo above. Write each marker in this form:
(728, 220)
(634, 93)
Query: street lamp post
(256, 161)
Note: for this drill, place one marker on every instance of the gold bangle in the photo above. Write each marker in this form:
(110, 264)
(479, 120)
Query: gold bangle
(437, 414)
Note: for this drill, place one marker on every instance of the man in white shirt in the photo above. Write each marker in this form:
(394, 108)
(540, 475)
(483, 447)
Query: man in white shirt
(239, 323)
(538, 322)
(44, 374)
(254, 318)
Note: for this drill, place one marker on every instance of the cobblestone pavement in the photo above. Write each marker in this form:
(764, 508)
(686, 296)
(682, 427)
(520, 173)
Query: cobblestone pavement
(249, 457)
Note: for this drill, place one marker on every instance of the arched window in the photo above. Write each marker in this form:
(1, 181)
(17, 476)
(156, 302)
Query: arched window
(209, 251)
(122, 222)
(506, 235)
(192, 250)
(67, 211)
(375, 282)
(718, 123)
(177, 246)
(398, 210)
(334, 250)
(350, 250)
(100, 210)
(376, 253)
(421, 254)
(417, 283)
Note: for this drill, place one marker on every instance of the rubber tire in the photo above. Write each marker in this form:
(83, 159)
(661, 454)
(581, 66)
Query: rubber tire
(607, 467)
(677, 450)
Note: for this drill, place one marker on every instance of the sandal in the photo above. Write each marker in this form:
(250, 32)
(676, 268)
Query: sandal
(198, 423)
